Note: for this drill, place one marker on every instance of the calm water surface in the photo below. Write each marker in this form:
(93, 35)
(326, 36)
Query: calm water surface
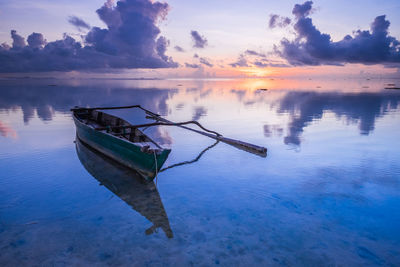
(328, 193)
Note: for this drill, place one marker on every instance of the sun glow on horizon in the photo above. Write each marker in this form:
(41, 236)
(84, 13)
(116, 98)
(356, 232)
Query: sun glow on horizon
(256, 72)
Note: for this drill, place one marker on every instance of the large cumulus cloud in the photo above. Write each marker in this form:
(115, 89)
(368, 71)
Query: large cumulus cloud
(131, 40)
(311, 47)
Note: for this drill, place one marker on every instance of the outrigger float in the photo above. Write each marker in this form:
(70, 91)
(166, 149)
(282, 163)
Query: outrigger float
(126, 144)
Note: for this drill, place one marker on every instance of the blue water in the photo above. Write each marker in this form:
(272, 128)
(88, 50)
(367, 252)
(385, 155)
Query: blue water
(328, 193)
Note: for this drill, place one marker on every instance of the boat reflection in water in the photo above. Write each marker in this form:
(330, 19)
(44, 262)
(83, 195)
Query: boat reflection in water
(128, 185)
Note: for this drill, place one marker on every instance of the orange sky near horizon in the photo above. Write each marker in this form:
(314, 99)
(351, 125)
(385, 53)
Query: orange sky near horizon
(348, 71)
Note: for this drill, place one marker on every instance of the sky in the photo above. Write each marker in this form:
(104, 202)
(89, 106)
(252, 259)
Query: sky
(220, 38)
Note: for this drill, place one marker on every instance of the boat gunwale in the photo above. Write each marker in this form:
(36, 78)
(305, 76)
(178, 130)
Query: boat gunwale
(76, 119)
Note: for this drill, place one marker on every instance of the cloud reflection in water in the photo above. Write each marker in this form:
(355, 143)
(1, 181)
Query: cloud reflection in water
(301, 107)
(361, 108)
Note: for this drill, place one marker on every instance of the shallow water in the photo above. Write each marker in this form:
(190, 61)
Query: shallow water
(326, 194)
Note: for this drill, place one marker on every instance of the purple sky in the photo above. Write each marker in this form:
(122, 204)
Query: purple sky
(185, 37)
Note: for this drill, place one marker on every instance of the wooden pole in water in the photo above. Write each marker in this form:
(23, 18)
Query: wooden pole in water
(257, 150)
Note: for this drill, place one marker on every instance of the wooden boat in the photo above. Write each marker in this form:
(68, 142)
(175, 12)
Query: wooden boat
(128, 185)
(119, 140)
(126, 144)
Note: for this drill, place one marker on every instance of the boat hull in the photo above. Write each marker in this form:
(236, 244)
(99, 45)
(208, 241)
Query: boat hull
(122, 151)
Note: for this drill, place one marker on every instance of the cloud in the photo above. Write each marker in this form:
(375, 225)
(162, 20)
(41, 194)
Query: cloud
(240, 62)
(254, 53)
(36, 40)
(260, 64)
(272, 20)
(205, 61)
(161, 47)
(193, 66)
(78, 23)
(311, 47)
(302, 10)
(252, 58)
(131, 40)
(199, 41)
(18, 40)
(179, 49)
(268, 63)
(278, 21)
